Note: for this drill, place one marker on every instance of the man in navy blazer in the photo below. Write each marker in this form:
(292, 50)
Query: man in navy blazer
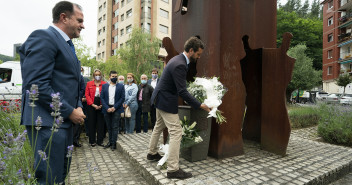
(48, 60)
(153, 82)
(172, 84)
(112, 96)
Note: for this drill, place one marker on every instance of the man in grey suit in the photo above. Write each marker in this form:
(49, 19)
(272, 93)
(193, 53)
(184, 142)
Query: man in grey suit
(165, 98)
(48, 60)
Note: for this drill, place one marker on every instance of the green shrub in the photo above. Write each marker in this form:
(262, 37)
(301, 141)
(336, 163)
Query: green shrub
(335, 125)
(16, 158)
(301, 117)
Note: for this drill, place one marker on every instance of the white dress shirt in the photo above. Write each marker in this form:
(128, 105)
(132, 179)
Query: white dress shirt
(153, 82)
(112, 89)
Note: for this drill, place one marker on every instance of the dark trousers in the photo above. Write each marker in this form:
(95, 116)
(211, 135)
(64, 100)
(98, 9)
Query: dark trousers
(112, 124)
(96, 124)
(77, 129)
(59, 163)
(138, 119)
(153, 115)
(85, 111)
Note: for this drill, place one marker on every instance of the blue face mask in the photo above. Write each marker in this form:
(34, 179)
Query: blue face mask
(154, 76)
(143, 81)
(121, 82)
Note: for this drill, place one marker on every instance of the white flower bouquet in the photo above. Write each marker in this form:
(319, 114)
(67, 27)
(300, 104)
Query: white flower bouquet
(190, 135)
(210, 92)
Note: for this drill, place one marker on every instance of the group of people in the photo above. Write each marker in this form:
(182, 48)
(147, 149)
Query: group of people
(105, 102)
(49, 61)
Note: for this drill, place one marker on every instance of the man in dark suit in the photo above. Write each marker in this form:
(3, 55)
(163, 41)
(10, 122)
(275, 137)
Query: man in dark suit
(165, 98)
(112, 96)
(48, 60)
(153, 82)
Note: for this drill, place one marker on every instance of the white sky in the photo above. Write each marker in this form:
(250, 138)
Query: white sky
(21, 17)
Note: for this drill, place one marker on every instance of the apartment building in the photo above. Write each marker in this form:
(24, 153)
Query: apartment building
(116, 19)
(337, 43)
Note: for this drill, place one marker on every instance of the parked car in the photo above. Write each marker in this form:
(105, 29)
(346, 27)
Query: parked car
(10, 81)
(346, 99)
(321, 96)
(332, 98)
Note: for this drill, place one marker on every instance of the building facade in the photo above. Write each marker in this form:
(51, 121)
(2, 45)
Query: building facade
(337, 43)
(117, 18)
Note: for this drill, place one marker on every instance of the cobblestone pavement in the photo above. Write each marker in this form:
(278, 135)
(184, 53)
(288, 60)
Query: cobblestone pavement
(96, 165)
(306, 162)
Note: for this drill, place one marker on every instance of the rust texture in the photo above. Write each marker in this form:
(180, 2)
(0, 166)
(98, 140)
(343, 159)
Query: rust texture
(277, 72)
(221, 25)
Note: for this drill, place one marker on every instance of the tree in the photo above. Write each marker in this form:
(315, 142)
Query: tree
(305, 30)
(315, 10)
(1, 61)
(304, 76)
(83, 53)
(343, 81)
(304, 10)
(139, 53)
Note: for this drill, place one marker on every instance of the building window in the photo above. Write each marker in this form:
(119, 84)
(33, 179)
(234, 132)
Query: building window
(104, 16)
(122, 3)
(99, 44)
(122, 17)
(104, 29)
(330, 4)
(129, 13)
(330, 37)
(99, 20)
(115, 39)
(103, 54)
(166, 1)
(100, 8)
(104, 4)
(164, 13)
(348, 49)
(115, 51)
(149, 12)
(121, 45)
(116, 1)
(330, 54)
(330, 70)
(103, 42)
(148, 27)
(163, 29)
(121, 32)
(99, 32)
(99, 56)
(330, 21)
(129, 29)
(116, 13)
(115, 26)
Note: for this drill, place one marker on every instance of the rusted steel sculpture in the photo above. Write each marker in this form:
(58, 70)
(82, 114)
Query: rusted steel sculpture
(276, 74)
(221, 25)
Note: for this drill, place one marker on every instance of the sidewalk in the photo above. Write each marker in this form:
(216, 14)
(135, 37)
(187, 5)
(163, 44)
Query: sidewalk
(307, 162)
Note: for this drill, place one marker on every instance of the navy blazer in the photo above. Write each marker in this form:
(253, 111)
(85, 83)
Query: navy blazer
(119, 97)
(48, 61)
(173, 84)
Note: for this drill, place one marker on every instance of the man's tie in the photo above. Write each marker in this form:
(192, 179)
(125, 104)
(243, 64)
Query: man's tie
(72, 48)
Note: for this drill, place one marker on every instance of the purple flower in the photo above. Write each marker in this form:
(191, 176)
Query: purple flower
(29, 176)
(69, 151)
(56, 104)
(57, 123)
(42, 155)
(19, 172)
(38, 123)
(33, 94)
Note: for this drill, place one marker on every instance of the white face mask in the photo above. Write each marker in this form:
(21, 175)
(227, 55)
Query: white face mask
(97, 77)
(129, 80)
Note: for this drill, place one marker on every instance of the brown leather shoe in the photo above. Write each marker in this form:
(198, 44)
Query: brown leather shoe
(155, 157)
(179, 174)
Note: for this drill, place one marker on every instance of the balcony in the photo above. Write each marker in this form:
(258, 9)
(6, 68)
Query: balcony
(345, 20)
(343, 37)
(345, 4)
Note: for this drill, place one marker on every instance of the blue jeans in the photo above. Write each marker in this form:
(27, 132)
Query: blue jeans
(138, 119)
(130, 122)
(112, 124)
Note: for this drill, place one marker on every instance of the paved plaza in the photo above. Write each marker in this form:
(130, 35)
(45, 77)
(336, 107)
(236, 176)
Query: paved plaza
(308, 161)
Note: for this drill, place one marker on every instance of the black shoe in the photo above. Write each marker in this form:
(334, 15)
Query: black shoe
(107, 145)
(155, 157)
(179, 174)
(113, 147)
(100, 144)
(77, 144)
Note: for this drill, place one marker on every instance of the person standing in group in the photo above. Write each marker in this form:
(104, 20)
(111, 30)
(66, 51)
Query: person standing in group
(121, 79)
(84, 102)
(50, 67)
(172, 84)
(131, 90)
(145, 91)
(95, 116)
(112, 97)
(77, 128)
(153, 82)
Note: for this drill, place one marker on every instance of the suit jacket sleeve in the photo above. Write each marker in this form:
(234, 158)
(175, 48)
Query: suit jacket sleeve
(179, 74)
(104, 96)
(121, 98)
(39, 62)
